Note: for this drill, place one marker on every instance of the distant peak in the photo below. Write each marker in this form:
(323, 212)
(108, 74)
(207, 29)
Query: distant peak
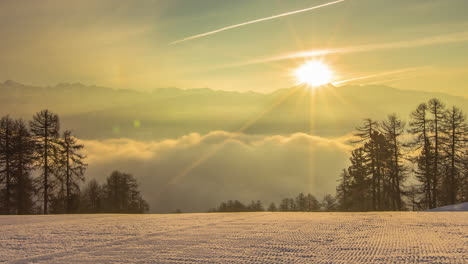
(12, 83)
(65, 84)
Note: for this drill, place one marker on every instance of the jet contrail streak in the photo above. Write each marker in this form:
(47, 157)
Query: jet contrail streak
(339, 83)
(427, 41)
(255, 21)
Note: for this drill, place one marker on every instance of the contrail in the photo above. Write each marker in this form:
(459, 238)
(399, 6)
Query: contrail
(255, 21)
(395, 72)
(427, 41)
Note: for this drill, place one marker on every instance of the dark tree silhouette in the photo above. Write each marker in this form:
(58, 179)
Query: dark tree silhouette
(419, 128)
(343, 191)
(45, 131)
(365, 133)
(255, 206)
(359, 184)
(6, 170)
(232, 206)
(272, 208)
(92, 198)
(312, 204)
(57, 162)
(72, 167)
(329, 203)
(285, 205)
(377, 151)
(121, 194)
(374, 180)
(393, 128)
(438, 147)
(464, 176)
(455, 127)
(301, 203)
(22, 162)
(437, 110)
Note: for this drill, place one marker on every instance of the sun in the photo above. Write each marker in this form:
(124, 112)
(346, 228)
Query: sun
(313, 73)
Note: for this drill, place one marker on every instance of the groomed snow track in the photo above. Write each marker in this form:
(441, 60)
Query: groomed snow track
(389, 237)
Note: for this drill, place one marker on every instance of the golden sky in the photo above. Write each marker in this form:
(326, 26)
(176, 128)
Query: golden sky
(418, 45)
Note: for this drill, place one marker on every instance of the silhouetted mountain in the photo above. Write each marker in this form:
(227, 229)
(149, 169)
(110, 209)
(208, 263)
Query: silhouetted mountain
(99, 112)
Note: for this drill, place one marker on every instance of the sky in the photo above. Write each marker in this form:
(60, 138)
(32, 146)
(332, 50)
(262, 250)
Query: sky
(267, 146)
(418, 45)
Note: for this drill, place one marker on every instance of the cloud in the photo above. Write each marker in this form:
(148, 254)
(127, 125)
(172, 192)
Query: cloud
(239, 166)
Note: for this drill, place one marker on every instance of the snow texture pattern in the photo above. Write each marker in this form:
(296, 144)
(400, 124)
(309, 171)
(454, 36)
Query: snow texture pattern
(389, 237)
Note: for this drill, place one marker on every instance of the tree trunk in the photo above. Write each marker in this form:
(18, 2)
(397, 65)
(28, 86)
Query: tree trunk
(46, 167)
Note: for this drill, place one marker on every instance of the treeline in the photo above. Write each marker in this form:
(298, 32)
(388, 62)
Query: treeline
(431, 150)
(301, 203)
(41, 171)
(119, 194)
(395, 166)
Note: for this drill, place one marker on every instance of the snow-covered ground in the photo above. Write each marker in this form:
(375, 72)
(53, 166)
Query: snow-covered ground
(390, 237)
(461, 207)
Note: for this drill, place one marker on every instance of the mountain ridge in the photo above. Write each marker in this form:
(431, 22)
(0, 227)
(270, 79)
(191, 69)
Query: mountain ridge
(75, 85)
(100, 112)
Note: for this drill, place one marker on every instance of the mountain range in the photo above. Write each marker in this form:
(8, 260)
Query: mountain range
(98, 112)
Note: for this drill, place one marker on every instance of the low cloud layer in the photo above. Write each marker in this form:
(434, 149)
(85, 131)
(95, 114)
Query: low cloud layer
(196, 172)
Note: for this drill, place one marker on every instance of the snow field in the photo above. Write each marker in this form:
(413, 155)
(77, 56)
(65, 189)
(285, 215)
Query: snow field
(388, 237)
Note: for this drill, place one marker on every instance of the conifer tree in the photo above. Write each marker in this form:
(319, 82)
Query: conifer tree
(343, 191)
(419, 128)
(311, 203)
(22, 162)
(360, 186)
(121, 194)
(272, 208)
(45, 132)
(72, 167)
(328, 203)
(6, 168)
(437, 110)
(92, 198)
(284, 205)
(365, 133)
(302, 203)
(456, 129)
(393, 128)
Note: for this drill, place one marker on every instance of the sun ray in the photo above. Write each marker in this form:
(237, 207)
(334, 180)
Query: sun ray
(242, 129)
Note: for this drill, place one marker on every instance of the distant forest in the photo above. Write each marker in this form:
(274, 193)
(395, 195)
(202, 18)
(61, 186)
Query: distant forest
(395, 166)
(42, 171)
(301, 203)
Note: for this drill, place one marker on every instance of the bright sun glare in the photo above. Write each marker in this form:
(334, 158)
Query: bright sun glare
(314, 74)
